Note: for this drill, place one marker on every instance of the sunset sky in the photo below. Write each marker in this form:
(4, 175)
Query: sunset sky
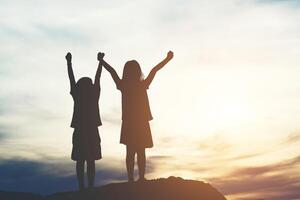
(226, 109)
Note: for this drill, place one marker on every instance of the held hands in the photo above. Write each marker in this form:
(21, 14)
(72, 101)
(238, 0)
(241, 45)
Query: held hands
(170, 55)
(100, 56)
(68, 57)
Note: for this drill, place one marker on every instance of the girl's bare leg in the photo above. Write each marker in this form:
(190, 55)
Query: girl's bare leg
(91, 173)
(130, 153)
(141, 160)
(80, 173)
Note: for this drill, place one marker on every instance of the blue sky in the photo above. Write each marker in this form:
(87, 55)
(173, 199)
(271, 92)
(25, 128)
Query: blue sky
(226, 108)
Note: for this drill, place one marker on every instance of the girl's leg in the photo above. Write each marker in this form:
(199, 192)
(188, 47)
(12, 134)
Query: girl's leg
(141, 160)
(80, 173)
(91, 172)
(130, 162)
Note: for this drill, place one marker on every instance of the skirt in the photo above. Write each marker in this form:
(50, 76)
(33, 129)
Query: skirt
(136, 134)
(86, 144)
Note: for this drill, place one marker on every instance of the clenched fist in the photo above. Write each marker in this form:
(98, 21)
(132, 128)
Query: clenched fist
(100, 56)
(170, 55)
(69, 57)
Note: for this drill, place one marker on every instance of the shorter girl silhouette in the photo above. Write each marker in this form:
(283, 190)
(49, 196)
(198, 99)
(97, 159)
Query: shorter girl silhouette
(85, 121)
(136, 114)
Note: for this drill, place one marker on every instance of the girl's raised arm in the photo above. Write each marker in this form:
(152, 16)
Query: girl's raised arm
(70, 70)
(99, 69)
(155, 69)
(112, 72)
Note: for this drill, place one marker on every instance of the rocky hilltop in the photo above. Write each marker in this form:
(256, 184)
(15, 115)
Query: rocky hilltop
(171, 188)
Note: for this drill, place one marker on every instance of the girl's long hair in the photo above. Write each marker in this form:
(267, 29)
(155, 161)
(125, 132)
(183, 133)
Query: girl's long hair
(84, 85)
(132, 72)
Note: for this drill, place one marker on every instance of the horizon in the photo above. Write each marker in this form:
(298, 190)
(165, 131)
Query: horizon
(225, 110)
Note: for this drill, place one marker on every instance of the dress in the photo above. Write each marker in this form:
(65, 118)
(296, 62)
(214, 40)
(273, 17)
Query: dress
(85, 121)
(136, 114)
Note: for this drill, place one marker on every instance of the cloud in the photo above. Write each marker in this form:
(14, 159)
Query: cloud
(258, 171)
(288, 2)
(47, 177)
(275, 181)
(215, 143)
(32, 176)
(2, 137)
(245, 156)
(6, 132)
(269, 187)
(161, 157)
(292, 138)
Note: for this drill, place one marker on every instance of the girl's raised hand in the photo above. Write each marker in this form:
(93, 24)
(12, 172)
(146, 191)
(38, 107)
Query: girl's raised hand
(100, 56)
(170, 55)
(68, 56)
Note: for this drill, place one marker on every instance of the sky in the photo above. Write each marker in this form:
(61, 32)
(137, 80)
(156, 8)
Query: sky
(226, 108)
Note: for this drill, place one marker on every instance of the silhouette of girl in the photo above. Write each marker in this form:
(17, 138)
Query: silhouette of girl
(85, 121)
(136, 114)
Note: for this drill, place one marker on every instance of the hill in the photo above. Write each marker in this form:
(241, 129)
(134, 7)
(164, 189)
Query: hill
(159, 189)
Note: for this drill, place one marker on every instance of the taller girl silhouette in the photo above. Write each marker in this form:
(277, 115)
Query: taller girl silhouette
(85, 121)
(136, 114)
